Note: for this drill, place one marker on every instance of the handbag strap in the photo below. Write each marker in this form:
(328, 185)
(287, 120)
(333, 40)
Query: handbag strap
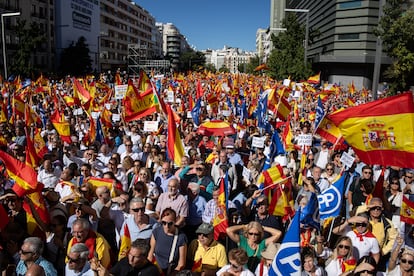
(173, 246)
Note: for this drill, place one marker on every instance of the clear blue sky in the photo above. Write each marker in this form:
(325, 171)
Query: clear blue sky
(213, 23)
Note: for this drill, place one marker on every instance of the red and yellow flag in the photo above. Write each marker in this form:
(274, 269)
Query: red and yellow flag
(283, 109)
(175, 146)
(99, 182)
(220, 221)
(125, 243)
(138, 105)
(316, 79)
(407, 211)
(80, 92)
(380, 132)
(328, 130)
(61, 125)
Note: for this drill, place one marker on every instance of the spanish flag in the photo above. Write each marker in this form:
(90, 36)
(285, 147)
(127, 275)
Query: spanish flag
(96, 182)
(125, 243)
(380, 132)
(220, 221)
(316, 79)
(174, 144)
(138, 105)
(407, 211)
(62, 127)
(283, 109)
(80, 92)
(328, 130)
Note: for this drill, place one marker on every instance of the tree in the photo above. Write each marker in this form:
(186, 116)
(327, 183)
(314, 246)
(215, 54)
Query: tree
(396, 28)
(75, 59)
(210, 67)
(224, 69)
(191, 60)
(286, 59)
(29, 39)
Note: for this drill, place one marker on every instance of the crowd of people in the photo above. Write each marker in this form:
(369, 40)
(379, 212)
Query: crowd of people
(168, 210)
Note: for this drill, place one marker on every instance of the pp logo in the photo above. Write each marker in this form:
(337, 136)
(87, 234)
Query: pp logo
(329, 201)
(287, 259)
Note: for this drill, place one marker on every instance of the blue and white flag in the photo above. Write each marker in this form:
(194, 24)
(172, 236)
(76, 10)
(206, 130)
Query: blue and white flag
(310, 213)
(287, 259)
(261, 114)
(330, 200)
(320, 113)
(196, 111)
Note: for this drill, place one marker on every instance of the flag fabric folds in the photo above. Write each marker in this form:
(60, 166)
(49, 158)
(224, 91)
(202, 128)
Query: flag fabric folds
(330, 200)
(380, 132)
(138, 105)
(407, 211)
(320, 113)
(62, 127)
(196, 111)
(125, 245)
(316, 79)
(220, 221)
(328, 130)
(175, 146)
(309, 216)
(287, 260)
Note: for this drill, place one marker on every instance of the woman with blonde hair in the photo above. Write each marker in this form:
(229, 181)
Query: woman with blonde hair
(342, 259)
(251, 240)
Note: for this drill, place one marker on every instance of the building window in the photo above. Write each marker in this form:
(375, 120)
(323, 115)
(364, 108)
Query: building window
(348, 36)
(349, 5)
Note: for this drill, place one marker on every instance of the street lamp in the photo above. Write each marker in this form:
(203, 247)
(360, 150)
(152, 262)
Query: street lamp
(3, 40)
(305, 56)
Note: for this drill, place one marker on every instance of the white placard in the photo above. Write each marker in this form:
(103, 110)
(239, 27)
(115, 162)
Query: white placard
(120, 91)
(241, 133)
(170, 96)
(116, 117)
(286, 82)
(225, 87)
(95, 115)
(150, 126)
(246, 174)
(226, 113)
(108, 106)
(189, 115)
(305, 140)
(347, 159)
(78, 111)
(258, 142)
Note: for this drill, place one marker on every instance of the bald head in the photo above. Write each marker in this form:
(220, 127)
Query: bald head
(35, 270)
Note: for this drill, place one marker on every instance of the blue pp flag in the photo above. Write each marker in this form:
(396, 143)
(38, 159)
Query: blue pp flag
(287, 259)
(195, 112)
(310, 214)
(261, 114)
(320, 113)
(330, 200)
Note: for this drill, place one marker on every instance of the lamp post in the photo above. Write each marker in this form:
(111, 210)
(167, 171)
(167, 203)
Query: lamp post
(305, 46)
(3, 40)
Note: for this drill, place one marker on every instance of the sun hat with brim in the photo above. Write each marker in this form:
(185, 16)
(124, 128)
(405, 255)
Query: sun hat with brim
(270, 251)
(205, 228)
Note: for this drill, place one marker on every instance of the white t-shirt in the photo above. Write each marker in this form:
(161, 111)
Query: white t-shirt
(366, 246)
(245, 271)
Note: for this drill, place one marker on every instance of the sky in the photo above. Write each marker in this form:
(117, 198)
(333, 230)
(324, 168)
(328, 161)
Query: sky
(211, 24)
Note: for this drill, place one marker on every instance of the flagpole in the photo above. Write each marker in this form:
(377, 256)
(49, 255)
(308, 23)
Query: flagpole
(276, 183)
(337, 141)
(331, 229)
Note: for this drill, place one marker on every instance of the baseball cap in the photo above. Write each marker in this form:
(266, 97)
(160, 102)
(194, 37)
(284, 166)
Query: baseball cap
(205, 228)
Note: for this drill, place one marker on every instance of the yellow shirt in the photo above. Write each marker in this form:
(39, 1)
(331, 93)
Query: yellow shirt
(214, 257)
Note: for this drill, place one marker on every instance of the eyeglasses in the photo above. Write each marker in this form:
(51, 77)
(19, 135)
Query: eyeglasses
(341, 246)
(404, 261)
(199, 169)
(70, 260)
(361, 224)
(396, 183)
(376, 208)
(254, 234)
(168, 223)
(136, 210)
(128, 145)
(261, 204)
(367, 172)
(329, 169)
(367, 271)
(25, 252)
(410, 177)
(204, 235)
(143, 174)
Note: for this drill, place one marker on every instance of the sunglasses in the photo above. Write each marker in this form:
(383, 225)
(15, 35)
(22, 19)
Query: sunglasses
(168, 223)
(376, 208)
(367, 271)
(341, 246)
(360, 224)
(204, 235)
(25, 252)
(404, 261)
(409, 177)
(254, 234)
(70, 260)
(368, 172)
(136, 210)
(329, 169)
(199, 169)
(235, 267)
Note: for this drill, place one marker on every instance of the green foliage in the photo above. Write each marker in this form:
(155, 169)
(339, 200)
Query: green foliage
(210, 67)
(75, 59)
(224, 69)
(29, 39)
(191, 61)
(249, 68)
(396, 29)
(286, 59)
